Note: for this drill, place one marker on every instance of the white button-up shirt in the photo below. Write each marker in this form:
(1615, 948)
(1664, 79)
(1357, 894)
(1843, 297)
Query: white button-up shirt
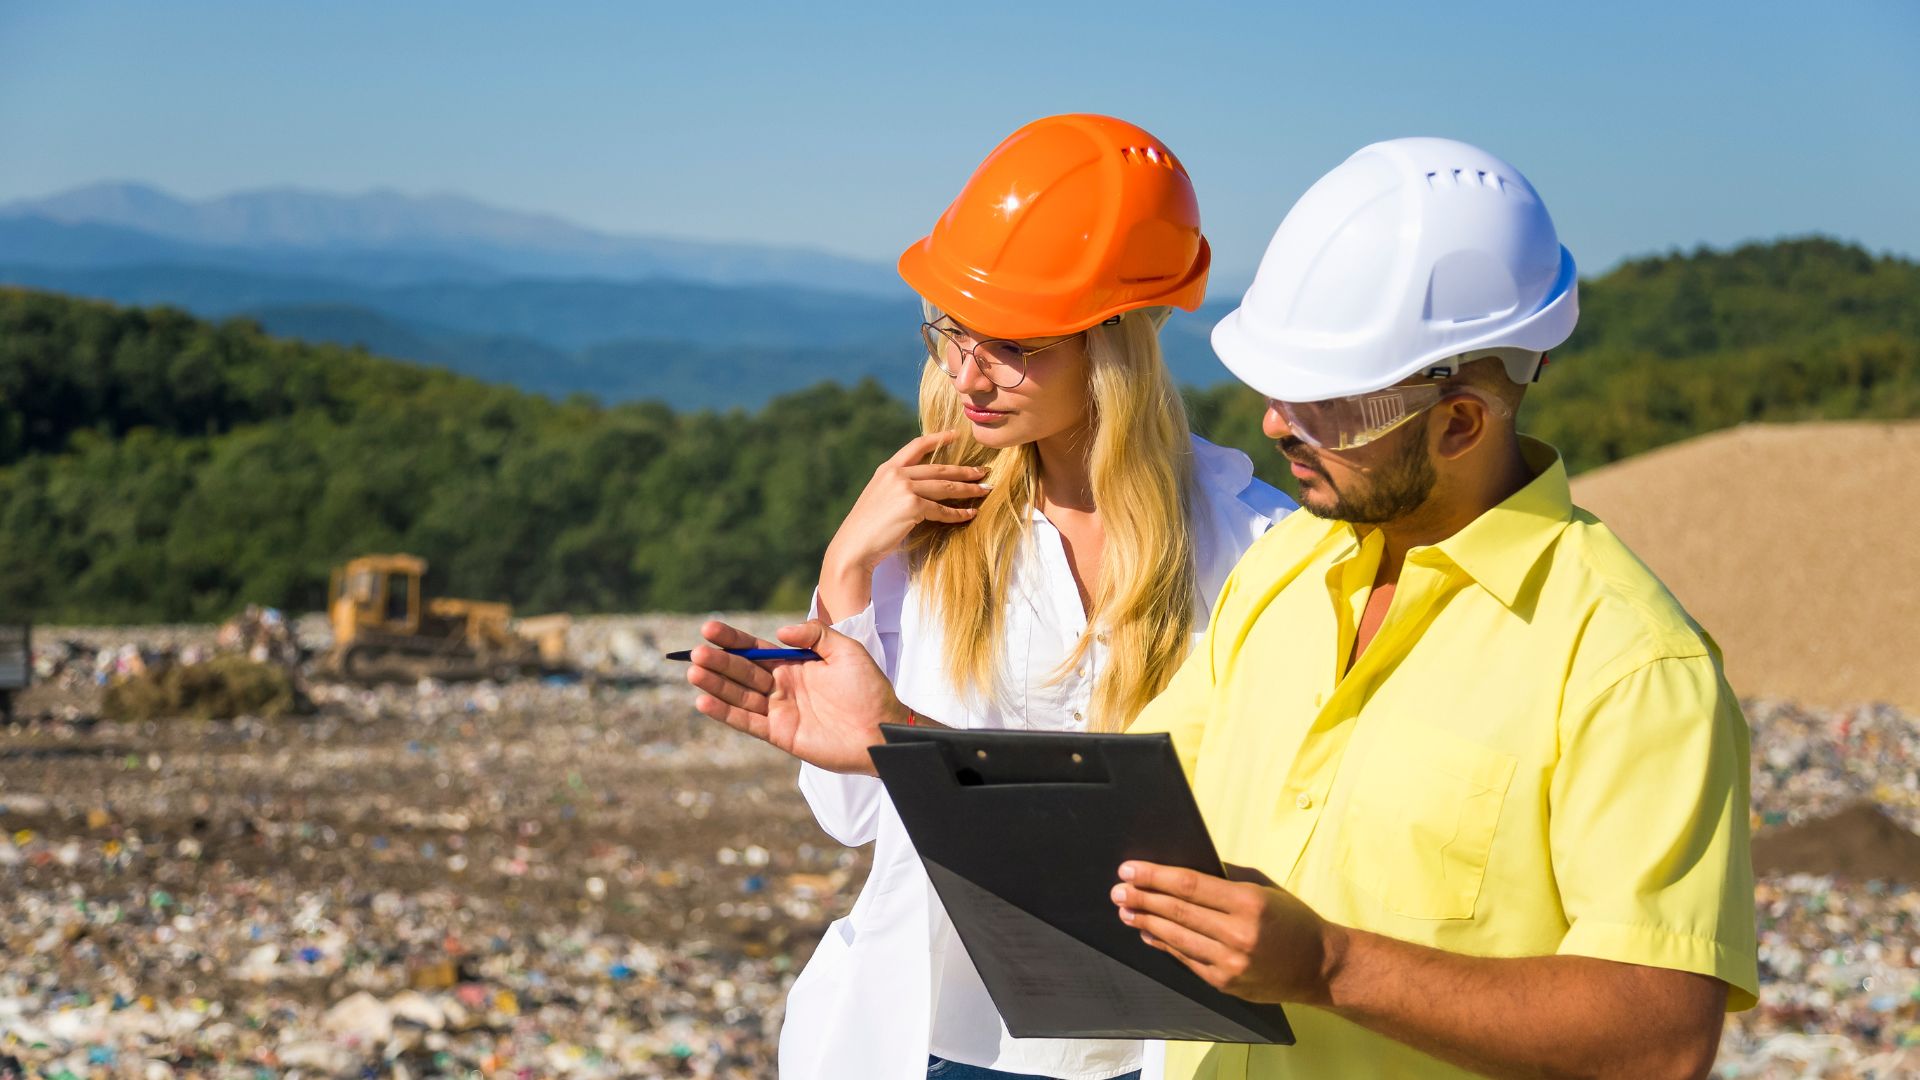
(891, 982)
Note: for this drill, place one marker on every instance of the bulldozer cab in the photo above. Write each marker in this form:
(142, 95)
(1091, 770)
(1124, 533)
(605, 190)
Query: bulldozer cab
(377, 593)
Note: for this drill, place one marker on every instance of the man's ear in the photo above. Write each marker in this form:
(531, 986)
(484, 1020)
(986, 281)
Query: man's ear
(1466, 420)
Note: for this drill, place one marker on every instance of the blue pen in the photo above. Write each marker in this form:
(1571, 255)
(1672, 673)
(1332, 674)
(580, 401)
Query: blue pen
(755, 654)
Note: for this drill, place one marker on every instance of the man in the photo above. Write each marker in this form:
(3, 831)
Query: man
(1485, 775)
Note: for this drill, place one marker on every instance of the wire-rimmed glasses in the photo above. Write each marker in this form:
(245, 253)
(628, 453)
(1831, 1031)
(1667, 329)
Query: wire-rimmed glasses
(1003, 362)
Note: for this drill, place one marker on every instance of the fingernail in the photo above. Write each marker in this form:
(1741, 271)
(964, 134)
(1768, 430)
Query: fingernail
(986, 485)
(1126, 871)
(1119, 894)
(1126, 915)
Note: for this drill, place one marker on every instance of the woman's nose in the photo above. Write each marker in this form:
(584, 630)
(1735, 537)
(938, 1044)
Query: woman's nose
(972, 378)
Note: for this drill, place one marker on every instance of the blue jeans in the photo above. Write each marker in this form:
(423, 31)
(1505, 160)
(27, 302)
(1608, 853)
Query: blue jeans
(939, 1068)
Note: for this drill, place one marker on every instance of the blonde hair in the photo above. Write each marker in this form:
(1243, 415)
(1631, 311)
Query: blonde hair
(1142, 471)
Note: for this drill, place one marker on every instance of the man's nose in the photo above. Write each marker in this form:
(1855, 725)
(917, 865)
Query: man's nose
(1274, 424)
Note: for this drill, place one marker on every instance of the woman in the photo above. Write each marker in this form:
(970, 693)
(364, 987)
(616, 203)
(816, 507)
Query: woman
(1042, 558)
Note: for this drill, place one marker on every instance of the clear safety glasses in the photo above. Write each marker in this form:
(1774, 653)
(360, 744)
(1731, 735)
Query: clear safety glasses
(1347, 423)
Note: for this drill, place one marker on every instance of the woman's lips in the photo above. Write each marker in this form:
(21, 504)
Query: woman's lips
(982, 416)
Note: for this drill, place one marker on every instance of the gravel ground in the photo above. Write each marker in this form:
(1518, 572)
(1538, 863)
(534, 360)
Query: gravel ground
(540, 878)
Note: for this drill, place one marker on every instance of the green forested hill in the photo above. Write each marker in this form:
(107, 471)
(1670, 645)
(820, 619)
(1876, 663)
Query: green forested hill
(154, 466)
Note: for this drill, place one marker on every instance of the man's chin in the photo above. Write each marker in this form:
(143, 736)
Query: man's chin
(1315, 499)
(1324, 512)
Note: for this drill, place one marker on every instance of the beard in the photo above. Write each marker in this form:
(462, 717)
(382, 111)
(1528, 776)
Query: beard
(1392, 490)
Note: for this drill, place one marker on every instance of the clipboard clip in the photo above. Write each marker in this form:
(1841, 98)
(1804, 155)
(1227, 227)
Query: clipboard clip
(1014, 764)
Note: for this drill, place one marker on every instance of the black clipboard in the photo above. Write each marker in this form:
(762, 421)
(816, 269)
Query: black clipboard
(1022, 833)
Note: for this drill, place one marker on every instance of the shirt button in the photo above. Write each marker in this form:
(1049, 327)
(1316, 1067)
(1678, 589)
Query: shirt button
(1304, 801)
(1076, 718)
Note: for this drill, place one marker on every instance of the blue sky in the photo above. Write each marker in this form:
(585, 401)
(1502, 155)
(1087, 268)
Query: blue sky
(849, 126)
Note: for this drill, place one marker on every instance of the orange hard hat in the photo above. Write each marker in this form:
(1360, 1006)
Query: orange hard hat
(1069, 222)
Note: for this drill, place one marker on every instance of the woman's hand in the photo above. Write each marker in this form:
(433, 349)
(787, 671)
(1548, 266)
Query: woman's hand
(905, 490)
(826, 711)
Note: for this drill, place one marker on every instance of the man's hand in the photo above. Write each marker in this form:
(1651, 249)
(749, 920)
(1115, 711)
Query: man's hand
(1523, 1016)
(1248, 938)
(826, 711)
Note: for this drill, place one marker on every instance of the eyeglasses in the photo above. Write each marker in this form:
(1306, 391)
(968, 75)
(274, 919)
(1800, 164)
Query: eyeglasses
(1003, 362)
(1347, 423)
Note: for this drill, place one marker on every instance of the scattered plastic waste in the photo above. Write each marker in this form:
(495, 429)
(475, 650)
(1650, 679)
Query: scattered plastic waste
(580, 877)
(419, 880)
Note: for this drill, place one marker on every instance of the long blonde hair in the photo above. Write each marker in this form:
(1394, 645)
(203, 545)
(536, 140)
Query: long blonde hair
(1142, 471)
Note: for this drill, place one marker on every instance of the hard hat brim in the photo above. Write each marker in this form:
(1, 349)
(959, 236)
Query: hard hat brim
(1002, 314)
(1295, 371)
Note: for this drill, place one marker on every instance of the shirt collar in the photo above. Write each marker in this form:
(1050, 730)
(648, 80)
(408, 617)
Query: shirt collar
(1500, 548)
(1220, 468)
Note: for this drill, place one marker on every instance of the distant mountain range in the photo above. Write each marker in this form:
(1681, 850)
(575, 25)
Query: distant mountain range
(420, 238)
(525, 299)
(567, 313)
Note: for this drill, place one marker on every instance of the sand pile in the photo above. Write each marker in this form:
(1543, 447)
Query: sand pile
(1796, 545)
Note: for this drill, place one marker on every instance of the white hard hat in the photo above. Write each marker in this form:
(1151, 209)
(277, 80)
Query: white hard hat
(1410, 253)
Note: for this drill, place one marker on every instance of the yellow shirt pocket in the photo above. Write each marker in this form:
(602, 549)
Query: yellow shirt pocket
(1420, 821)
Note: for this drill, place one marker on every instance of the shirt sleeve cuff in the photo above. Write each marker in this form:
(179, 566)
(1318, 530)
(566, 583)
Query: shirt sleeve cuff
(1655, 946)
(862, 626)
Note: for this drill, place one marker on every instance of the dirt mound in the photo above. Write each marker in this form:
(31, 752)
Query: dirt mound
(1797, 546)
(222, 688)
(1860, 842)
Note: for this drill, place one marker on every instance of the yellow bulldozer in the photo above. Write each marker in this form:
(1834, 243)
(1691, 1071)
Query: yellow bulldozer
(383, 628)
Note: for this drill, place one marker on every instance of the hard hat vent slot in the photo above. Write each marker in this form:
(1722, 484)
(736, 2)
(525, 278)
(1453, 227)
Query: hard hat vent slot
(1147, 155)
(1467, 178)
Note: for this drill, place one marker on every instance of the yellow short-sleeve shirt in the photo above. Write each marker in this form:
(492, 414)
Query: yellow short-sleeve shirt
(1537, 754)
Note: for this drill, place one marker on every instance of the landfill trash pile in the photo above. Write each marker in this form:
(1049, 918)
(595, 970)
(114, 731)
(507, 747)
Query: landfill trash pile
(541, 878)
(262, 634)
(1813, 763)
(1840, 982)
(1839, 955)
(73, 665)
(582, 877)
